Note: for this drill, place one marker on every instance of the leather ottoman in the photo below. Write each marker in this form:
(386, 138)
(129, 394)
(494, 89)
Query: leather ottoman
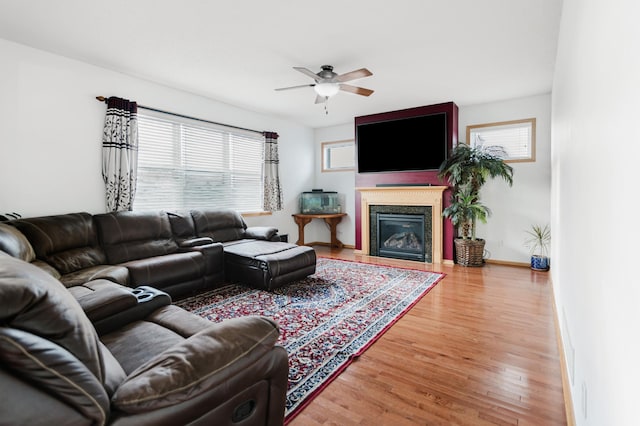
(267, 264)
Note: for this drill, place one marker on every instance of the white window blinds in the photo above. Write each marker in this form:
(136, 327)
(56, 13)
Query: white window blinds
(184, 164)
(517, 138)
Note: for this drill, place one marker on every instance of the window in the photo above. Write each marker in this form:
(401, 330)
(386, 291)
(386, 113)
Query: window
(518, 138)
(338, 156)
(184, 164)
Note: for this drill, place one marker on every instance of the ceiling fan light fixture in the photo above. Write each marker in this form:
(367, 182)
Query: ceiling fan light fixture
(326, 89)
(327, 83)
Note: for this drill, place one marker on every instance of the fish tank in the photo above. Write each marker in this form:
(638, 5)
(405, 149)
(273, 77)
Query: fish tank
(319, 202)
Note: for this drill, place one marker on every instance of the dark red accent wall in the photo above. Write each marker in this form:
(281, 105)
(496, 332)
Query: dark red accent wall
(426, 177)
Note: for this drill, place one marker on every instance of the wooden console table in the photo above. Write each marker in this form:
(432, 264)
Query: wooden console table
(331, 219)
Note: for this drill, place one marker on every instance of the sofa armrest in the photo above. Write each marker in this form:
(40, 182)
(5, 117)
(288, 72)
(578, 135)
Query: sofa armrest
(50, 368)
(194, 242)
(213, 254)
(207, 249)
(23, 403)
(209, 359)
(146, 300)
(101, 299)
(47, 268)
(261, 232)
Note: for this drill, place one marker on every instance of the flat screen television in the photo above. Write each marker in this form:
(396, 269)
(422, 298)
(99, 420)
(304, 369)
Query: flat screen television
(405, 144)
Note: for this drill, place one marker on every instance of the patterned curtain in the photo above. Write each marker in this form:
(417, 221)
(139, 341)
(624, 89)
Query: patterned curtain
(120, 153)
(272, 189)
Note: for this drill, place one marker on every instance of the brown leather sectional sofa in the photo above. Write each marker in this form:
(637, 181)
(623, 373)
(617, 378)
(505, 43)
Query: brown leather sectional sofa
(88, 334)
(177, 252)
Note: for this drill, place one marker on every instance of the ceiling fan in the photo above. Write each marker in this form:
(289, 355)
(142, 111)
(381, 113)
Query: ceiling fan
(328, 83)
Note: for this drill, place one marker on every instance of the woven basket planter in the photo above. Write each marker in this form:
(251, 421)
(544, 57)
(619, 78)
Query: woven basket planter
(469, 252)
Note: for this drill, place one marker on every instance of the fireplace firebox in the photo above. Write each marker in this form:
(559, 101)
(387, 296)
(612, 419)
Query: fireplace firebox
(401, 236)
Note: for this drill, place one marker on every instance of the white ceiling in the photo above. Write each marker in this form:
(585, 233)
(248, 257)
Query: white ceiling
(421, 52)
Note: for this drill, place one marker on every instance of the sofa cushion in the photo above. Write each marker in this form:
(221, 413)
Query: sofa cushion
(196, 364)
(68, 242)
(182, 224)
(254, 248)
(139, 341)
(136, 235)
(184, 231)
(219, 224)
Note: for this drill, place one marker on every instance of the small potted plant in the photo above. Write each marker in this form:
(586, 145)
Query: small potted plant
(538, 243)
(467, 170)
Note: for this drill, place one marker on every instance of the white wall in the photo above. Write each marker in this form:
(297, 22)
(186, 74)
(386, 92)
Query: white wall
(514, 208)
(51, 127)
(595, 174)
(343, 182)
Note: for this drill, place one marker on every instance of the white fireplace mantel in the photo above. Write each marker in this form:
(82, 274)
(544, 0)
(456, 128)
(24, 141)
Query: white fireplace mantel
(403, 196)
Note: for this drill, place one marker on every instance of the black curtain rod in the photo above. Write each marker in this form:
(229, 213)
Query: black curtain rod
(104, 99)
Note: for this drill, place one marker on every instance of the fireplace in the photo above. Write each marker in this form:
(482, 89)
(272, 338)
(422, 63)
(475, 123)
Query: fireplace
(400, 236)
(387, 240)
(409, 199)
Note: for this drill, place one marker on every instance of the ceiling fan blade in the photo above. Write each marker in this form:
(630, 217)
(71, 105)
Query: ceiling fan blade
(357, 90)
(361, 73)
(321, 99)
(307, 72)
(295, 87)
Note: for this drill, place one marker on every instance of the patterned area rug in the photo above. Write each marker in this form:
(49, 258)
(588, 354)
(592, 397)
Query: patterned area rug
(326, 319)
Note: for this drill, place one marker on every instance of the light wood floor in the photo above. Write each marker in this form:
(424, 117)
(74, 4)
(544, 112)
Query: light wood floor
(479, 349)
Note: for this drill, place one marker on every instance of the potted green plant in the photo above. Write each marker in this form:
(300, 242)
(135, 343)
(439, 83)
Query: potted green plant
(467, 170)
(538, 243)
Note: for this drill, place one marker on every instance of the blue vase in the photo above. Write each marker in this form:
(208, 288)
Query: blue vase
(539, 263)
